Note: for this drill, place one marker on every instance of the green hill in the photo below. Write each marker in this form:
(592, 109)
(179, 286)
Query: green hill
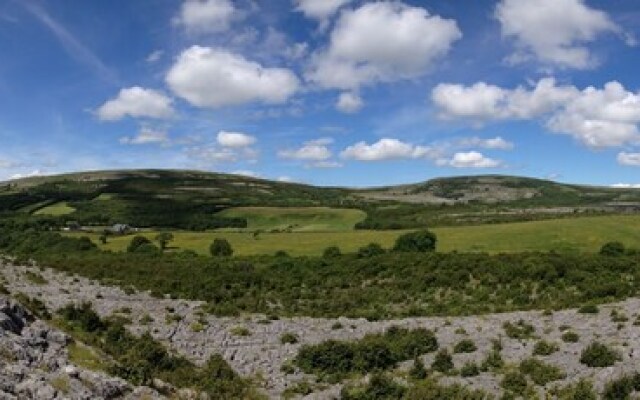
(196, 200)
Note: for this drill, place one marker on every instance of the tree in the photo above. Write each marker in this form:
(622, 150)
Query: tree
(370, 250)
(612, 249)
(163, 239)
(221, 248)
(420, 242)
(136, 242)
(332, 252)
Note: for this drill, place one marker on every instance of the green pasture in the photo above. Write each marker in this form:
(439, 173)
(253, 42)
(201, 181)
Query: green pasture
(580, 234)
(298, 219)
(56, 209)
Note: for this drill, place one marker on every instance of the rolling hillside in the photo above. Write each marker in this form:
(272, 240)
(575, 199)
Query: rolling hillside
(197, 200)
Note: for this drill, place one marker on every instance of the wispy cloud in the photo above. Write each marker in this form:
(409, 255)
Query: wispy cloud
(71, 45)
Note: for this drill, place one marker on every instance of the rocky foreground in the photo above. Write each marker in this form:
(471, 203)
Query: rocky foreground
(34, 362)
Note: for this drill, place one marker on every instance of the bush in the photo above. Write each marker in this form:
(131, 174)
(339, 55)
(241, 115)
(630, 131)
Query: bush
(589, 309)
(514, 382)
(289, 338)
(469, 369)
(442, 362)
(543, 348)
(136, 242)
(570, 337)
(83, 316)
(370, 250)
(418, 371)
(622, 388)
(598, 355)
(612, 249)
(379, 387)
(373, 352)
(331, 252)
(541, 373)
(220, 248)
(520, 330)
(418, 242)
(465, 346)
(583, 390)
(432, 390)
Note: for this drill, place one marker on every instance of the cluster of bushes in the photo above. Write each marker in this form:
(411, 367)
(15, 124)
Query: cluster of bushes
(141, 359)
(384, 387)
(334, 359)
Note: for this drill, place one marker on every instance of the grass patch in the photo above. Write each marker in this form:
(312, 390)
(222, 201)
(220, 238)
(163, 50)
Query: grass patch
(56, 209)
(87, 357)
(297, 219)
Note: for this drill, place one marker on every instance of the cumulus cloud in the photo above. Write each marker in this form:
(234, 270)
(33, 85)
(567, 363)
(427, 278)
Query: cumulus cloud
(211, 77)
(246, 172)
(136, 102)
(496, 143)
(606, 117)
(555, 32)
(235, 139)
(630, 159)
(382, 42)
(319, 9)
(35, 172)
(471, 159)
(385, 149)
(349, 103)
(206, 16)
(310, 151)
(147, 136)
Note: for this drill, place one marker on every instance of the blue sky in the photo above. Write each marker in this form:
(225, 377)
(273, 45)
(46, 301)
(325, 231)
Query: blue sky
(329, 92)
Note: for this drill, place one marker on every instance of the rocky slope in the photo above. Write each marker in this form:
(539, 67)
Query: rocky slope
(258, 352)
(34, 363)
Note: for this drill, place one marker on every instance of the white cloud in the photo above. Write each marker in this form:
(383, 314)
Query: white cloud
(319, 9)
(33, 173)
(206, 16)
(155, 56)
(598, 118)
(349, 103)
(284, 178)
(496, 143)
(382, 42)
(235, 139)
(385, 149)
(136, 102)
(209, 77)
(472, 159)
(308, 152)
(554, 32)
(246, 172)
(630, 159)
(482, 101)
(147, 136)
(325, 164)
(626, 185)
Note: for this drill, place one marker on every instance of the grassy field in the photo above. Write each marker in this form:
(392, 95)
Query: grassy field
(579, 234)
(60, 208)
(297, 219)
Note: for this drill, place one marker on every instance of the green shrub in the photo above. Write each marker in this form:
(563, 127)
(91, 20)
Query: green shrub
(373, 352)
(599, 355)
(612, 249)
(541, 373)
(289, 338)
(240, 331)
(331, 252)
(220, 248)
(570, 337)
(442, 362)
(419, 242)
(34, 305)
(514, 382)
(418, 371)
(544, 348)
(431, 390)
(622, 387)
(589, 309)
(493, 361)
(379, 387)
(83, 316)
(370, 250)
(469, 369)
(137, 242)
(465, 346)
(582, 390)
(519, 330)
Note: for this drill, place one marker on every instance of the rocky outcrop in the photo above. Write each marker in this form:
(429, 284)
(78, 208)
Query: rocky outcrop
(34, 363)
